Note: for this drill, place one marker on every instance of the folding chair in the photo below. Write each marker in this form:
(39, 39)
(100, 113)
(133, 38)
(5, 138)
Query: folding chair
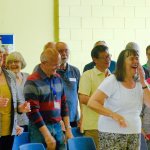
(21, 139)
(81, 143)
(32, 146)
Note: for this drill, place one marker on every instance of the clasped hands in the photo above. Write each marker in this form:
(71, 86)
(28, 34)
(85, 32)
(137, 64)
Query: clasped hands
(3, 102)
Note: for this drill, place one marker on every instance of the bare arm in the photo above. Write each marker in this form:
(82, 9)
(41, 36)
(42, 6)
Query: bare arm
(85, 86)
(81, 116)
(96, 102)
(146, 90)
(83, 99)
(146, 95)
(68, 127)
(49, 139)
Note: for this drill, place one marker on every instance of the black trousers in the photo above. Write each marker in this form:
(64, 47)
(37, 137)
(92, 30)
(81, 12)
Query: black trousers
(6, 142)
(73, 124)
(25, 127)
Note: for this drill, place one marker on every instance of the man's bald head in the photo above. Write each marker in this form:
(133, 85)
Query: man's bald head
(49, 45)
(49, 54)
(50, 61)
(133, 45)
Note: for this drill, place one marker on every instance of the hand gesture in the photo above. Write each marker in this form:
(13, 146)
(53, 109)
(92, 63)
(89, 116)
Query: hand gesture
(80, 124)
(68, 134)
(50, 142)
(141, 74)
(144, 134)
(19, 130)
(120, 119)
(25, 107)
(62, 125)
(3, 102)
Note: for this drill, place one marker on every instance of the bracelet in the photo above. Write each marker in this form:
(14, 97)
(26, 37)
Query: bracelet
(145, 87)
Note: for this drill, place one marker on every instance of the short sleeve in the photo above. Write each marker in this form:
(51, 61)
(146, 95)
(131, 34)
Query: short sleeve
(85, 84)
(109, 85)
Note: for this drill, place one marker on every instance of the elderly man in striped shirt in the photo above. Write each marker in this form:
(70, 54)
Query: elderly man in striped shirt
(44, 90)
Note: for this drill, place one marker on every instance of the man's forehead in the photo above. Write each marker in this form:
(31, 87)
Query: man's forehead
(104, 52)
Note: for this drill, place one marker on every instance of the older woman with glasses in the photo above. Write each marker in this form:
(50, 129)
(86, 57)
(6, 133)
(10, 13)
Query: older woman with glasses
(15, 63)
(10, 104)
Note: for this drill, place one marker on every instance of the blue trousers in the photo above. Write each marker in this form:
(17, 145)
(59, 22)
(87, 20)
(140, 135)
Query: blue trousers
(54, 129)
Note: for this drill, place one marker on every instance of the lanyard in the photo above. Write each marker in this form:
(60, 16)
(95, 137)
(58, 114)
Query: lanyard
(51, 86)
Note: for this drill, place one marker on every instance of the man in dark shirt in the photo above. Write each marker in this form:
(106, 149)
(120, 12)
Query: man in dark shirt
(45, 92)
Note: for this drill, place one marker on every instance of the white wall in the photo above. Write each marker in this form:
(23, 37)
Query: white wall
(31, 21)
(83, 22)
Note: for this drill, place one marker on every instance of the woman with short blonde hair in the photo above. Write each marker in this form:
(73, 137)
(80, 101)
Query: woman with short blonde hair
(15, 63)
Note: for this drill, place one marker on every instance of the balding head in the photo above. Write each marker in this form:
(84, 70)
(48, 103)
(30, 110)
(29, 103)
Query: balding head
(50, 60)
(60, 45)
(49, 45)
(49, 54)
(133, 45)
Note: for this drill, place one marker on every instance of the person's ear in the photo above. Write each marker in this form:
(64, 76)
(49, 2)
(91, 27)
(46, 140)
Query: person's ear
(94, 60)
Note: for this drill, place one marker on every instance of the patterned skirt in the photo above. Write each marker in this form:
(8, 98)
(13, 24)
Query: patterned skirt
(115, 141)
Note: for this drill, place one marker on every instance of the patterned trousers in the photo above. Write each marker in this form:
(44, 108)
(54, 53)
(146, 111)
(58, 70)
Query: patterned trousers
(114, 141)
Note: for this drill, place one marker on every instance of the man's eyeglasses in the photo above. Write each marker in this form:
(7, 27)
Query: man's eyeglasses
(51, 64)
(105, 58)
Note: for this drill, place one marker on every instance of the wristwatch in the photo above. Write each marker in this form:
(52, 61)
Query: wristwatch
(145, 87)
(68, 127)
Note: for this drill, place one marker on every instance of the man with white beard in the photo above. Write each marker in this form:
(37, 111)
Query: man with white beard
(70, 76)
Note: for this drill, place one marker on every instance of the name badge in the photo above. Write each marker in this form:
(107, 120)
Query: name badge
(72, 79)
(56, 105)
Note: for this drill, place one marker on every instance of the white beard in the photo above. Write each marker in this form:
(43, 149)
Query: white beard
(64, 61)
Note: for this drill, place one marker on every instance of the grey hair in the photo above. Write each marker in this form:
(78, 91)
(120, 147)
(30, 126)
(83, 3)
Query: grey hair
(16, 56)
(133, 45)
